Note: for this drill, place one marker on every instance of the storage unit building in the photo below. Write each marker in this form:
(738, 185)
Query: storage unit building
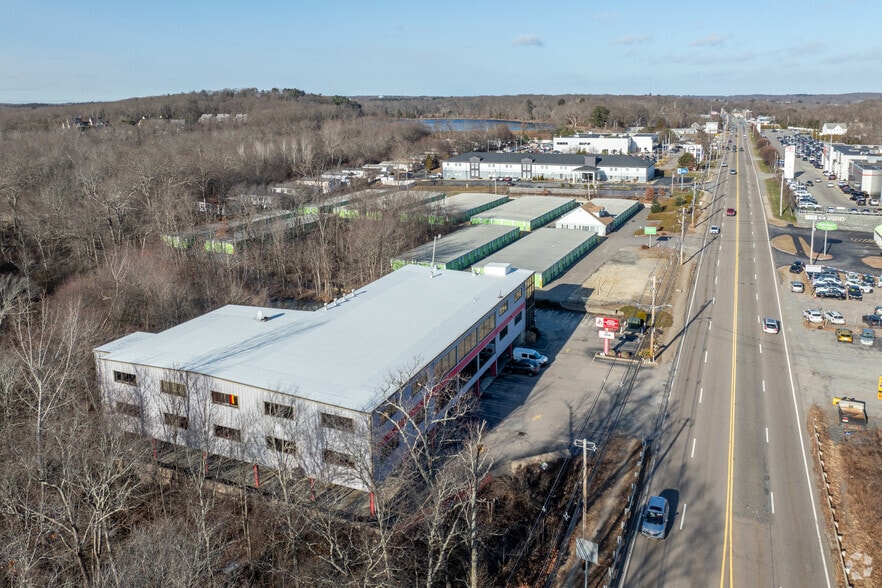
(527, 212)
(459, 208)
(461, 249)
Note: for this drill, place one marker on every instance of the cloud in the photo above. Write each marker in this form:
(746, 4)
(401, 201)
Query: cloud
(528, 41)
(634, 40)
(709, 41)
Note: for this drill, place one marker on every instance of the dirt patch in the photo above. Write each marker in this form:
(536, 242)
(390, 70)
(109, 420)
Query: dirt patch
(852, 461)
(623, 279)
(874, 262)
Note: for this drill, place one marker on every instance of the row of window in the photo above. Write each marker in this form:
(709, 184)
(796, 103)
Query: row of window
(331, 421)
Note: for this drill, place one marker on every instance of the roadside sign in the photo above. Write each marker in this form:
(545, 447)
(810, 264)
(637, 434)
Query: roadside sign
(826, 226)
(606, 334)
(879, 396)
(650, 230)
(607, 324)
(682, 170)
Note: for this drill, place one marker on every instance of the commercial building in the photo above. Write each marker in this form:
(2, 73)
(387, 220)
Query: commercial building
(548, 166)
(596, 143)
(599, 215)
(866, 175)
(459, 208)
(332, 394)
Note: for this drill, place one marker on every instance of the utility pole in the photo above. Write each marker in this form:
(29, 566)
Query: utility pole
(585, 445)
(652, 323)
(682, 230)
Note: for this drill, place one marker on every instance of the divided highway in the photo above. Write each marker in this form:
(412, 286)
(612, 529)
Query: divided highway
(732, 458)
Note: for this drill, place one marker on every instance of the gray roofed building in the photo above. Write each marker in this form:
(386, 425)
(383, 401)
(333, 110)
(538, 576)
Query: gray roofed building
(460, 249)
(550, 166)
(527, 212)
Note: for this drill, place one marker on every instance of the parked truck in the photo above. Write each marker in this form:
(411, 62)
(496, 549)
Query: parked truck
(852, 413)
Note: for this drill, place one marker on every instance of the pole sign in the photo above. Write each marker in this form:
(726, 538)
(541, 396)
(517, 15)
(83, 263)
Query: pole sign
(826, 226)
(607, 324)
(682, 170)
(606, 334)
(650, 230)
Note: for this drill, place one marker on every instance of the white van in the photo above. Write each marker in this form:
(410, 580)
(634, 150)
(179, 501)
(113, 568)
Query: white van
(524, 353)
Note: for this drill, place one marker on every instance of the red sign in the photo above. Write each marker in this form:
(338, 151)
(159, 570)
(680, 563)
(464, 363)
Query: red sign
(607, 324)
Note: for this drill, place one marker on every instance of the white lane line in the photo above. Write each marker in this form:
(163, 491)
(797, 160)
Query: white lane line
(705, 356)
(691, 455)
(714, 300)
(715, 280)
(683, 516)
(761, 348)
(764, 385)
(754, 277)
(757, 295)
(700, 394)
(772, 497)
(718, 263)
(709, 323)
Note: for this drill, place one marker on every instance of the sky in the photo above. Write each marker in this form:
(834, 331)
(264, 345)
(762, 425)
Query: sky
(100, 50)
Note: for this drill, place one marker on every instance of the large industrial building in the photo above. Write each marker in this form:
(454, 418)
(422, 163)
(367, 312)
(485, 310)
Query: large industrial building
(332, 393)
(548, 166)
(460, 249)
(596, 143)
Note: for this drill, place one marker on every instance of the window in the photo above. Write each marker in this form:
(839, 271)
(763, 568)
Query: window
(336, 458)
(504, 332)
(281, 411)
(518, 317)
(224, 399)
(388, 411)
(518, 294)
(128, 409)
(174, 420)
(124, 378)
(487, 326)
(334, 421)
(503, 308)
(445, 363)
(172, 388)
(281, 445)
(227, 433)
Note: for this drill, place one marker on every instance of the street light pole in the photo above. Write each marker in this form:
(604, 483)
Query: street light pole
(585, 445)
(652, 322)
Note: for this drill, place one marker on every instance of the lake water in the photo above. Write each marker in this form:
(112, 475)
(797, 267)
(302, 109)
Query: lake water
(479, 124)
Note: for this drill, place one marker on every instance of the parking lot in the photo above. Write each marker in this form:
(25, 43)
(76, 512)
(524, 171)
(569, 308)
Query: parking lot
(825, 367)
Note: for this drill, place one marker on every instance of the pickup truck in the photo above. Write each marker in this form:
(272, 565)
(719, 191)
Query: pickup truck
(852, 413)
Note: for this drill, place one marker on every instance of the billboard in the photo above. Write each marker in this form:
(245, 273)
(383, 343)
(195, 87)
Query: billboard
(789, 162)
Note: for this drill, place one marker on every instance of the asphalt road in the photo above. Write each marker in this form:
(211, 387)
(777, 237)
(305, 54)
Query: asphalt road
(732, 458)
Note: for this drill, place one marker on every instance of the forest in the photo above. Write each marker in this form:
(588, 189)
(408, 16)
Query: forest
(87, 192)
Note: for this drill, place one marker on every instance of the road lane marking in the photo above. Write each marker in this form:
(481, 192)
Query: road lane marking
(764, 385)
(709, 323)
(715, 280)
(705, 356)
(700, 394)
(683, 516)
(691, 455)
(772, 497)
(761, 348)
(718, 263)
(757, 295)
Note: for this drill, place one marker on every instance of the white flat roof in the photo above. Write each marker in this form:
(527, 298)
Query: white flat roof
(345, 355)
(525, 208)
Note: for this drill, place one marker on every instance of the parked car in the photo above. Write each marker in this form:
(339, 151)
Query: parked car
(831, 292)
(770, 325)
(834, 318)
(522, 366)
(813, 315)
(797, 287)
(854, 293)
(872, 320)
(655, 518)
(796, 267)
(844, 336)
(868, 337)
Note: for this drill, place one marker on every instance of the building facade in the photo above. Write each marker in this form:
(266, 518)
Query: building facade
(332, 394)
(540, 166)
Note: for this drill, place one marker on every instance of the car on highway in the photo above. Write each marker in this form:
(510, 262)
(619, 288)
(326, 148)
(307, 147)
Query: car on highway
(733, 172)
(724, 164)
(813, 315)
(655, 518)
(714, 230)
(522, 366)
(797, 286)
(730, 212)
(770, 325)
(844, 336)
(834, 318)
